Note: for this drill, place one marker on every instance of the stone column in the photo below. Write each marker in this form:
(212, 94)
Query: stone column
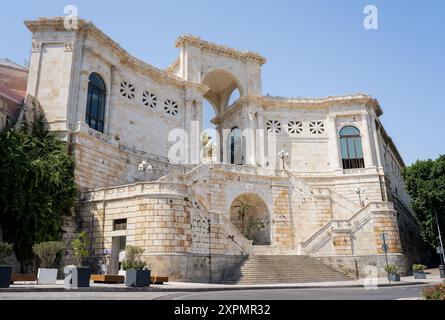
(250, 137)
(195, 123)
(188, 116)
(34, 69)
(366, 142)
(260, 139)
(334, 156)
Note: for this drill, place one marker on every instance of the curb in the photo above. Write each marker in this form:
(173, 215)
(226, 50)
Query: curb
(202, 289)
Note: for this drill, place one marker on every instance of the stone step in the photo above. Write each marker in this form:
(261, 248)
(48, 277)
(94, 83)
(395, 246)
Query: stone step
(259, 269)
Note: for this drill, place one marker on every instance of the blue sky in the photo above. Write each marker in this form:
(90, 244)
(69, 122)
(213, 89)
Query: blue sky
(313, 48)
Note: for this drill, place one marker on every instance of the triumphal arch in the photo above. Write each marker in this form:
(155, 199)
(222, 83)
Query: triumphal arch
(315, 179)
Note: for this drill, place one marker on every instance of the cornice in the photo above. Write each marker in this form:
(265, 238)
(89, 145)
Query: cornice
(277, 102)
(219, 49)
(89, 29)
(173, 66)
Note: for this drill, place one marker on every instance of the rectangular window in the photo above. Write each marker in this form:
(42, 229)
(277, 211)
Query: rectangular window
(120, 224)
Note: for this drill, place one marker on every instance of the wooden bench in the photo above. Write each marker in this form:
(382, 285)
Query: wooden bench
(158, 279)
(23, 277)
(107, 278)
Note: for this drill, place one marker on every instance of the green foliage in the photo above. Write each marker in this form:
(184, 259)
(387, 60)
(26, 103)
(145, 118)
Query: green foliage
(47, 252)
(133, 258)
(5, 252)
(242, 209)
(392, 268)
(436, 292)
(425, 183)
(419, 268)
(37, 187)
(253, 225)
(80, 247)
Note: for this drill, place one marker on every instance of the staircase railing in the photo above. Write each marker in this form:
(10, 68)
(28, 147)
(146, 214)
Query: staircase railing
(232, 232)
(352, 224)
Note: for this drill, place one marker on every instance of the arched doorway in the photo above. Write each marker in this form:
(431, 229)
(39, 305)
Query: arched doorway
(250, 215)
(210, 136)
(224, 91)
(235, 147)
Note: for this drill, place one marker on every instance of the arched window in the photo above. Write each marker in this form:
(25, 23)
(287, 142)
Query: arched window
(95, 112)
(351, 148)
(235, 146)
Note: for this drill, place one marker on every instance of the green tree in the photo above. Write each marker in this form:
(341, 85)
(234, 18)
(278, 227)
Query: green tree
(37, 186)
(425, 183)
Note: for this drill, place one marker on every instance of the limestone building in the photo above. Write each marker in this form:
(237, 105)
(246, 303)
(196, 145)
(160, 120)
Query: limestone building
(199, 218)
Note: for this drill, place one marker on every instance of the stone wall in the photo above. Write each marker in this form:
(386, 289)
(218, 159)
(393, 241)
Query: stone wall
(102, 162)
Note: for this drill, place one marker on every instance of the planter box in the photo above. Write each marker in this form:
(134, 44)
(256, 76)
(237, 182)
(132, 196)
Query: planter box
(393, 277)
(77, 277)
(46, 276)
(419, 275)
(137, 278)
(5, 276)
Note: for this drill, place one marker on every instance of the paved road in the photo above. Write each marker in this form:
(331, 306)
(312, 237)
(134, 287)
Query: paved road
(382, 293)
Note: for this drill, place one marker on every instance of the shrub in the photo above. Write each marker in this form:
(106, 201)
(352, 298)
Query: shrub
(80, 248)
(133, 258)
(419, 268)
(47, 252)
(436, 292)
(5, 252)
(392, 268)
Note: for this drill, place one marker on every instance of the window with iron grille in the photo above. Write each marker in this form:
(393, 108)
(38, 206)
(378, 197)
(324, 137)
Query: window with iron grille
(351, 148)
(120, 224)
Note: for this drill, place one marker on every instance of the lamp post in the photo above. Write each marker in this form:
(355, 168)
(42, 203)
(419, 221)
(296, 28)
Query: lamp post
(360, 191)
(440, 239)
(283, 155)
(144, 166)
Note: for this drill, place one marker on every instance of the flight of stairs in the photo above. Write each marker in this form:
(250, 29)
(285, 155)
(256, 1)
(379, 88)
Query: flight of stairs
(265, 269)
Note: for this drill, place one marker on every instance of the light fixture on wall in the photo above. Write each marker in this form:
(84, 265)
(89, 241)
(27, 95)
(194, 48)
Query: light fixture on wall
(144, 166)
(283, 155)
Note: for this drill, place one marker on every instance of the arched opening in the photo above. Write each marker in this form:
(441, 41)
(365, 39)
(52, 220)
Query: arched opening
(235, 147)
(250, 215)
(224, 89)
(351, 148)
(234, 96)
(209, 138)
(95, 110)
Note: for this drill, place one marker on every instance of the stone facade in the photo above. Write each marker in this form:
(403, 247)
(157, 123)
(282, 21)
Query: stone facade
(184, 213)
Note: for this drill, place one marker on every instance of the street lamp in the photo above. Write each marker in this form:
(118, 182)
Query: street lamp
(442, 253)
(283, 155)
(144, 166)
(360, 191)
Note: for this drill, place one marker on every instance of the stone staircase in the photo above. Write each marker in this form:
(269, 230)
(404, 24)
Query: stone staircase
(282, 269)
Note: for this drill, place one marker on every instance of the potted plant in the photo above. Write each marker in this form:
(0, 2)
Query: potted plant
(393, 272)
(47, 253)
(419, 271)
(136, 275)
(80, 274)
(5, 269)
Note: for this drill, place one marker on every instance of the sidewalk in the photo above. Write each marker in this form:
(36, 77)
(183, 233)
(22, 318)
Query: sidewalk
(200, 287)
